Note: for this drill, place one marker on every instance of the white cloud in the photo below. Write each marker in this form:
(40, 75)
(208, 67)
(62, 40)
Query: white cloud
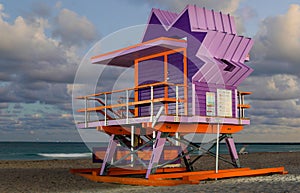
(73, 28)
(36, 66)
(273, 87)
(277, 43)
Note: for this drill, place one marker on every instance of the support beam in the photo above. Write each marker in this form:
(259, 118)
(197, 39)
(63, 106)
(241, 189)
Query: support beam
(156, 153)
(232, 151)
(110, 151)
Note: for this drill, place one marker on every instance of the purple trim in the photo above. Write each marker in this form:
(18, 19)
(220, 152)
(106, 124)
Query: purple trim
(224, 45)
(156, 153)
(226, 24)
(110, 151)
(232, 25)
(218, 20)
(168, 118)
(233, 47)
(210, 20)
(232, 150)
(117, 58)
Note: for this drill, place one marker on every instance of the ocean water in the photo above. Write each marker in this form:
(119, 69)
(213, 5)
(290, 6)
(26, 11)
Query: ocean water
(51, 150)
(43, 150)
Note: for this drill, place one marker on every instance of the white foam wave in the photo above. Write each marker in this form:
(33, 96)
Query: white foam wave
(65, 155)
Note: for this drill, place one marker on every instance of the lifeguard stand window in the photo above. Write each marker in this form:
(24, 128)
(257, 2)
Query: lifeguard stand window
(167, 68)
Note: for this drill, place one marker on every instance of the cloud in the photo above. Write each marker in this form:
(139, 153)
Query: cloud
(277, 42)
(177, 5)
(275, 106)
(37, 66)
(74, 29)
(273, 87)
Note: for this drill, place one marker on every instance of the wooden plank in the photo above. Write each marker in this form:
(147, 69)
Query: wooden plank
(138, 45)
(197, 128)
(244, 106)
(244, 92)
(134, 181)
(256, 172)
(183, 174)
(120, 172)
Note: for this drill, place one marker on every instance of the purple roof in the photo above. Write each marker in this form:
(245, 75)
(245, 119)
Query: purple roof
(166, 17)
(200, 19)
(217, 43)
(125, 57)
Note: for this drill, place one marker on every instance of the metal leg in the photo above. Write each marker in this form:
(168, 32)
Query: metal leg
(186, 158)
(110, 151)
(156, 153)
(232, 151)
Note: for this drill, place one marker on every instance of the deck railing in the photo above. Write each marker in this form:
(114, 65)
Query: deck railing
(241, 103)
(120, 109)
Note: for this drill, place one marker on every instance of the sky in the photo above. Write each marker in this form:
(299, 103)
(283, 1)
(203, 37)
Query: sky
(42, 44)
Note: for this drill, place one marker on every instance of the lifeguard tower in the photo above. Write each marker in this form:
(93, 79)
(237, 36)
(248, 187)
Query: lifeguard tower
(187, 70)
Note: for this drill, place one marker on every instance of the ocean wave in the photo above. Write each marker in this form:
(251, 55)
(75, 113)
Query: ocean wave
(65, 155)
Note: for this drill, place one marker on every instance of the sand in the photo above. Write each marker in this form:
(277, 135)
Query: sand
(54, 176)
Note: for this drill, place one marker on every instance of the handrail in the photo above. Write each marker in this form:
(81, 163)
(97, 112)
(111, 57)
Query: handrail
(103, 109)
(135, 89)
(156, 100)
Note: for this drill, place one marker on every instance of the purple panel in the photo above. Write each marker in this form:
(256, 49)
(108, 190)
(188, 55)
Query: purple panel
(226, 24)
(239, 81)
(228, 75)
(224, 46)
(232, 149)
(110, 151)
(216, 43)
(193, 17)
(240, 50)
(161, 17)
(218, 21)
(201, 18)
(241, 69)
(232, 48)
(209, 38)
(242, 74)
(202, 88)
(209, 19)
(232, 25)
(156, 153)
(150, 71)
(247, 50)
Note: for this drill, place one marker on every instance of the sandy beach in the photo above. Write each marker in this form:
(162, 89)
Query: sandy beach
(54, 176)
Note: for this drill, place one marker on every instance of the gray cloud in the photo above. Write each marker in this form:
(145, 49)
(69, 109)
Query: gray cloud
(36, 66)
(277, 44)
(273, 87)
(74, 29)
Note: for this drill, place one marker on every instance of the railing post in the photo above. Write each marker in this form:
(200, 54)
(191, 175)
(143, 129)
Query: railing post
(127, 106)
(105, 110)
(217, 145)
(243, 102)
(177, 137)
(152, 104)
(132, 144)
(85, 112)
(177, 101)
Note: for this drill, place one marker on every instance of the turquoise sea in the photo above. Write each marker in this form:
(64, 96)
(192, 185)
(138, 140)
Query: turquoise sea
(67, 150)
